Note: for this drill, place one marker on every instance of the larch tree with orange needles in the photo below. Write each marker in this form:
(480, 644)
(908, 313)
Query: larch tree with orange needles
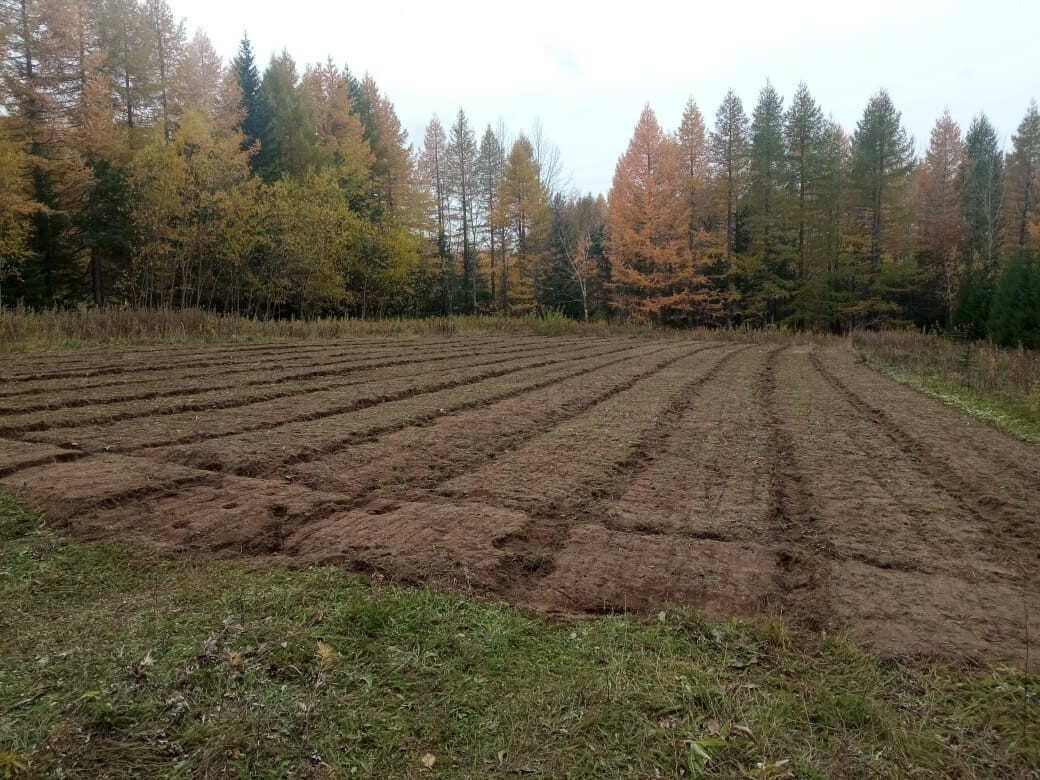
(939, 203)
(655, 277)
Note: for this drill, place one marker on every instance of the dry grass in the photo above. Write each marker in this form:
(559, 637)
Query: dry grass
(994, 383)
(24, 330)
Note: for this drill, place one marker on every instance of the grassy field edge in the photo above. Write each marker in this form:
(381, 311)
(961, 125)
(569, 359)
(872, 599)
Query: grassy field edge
(1013, 416)
(121, 659)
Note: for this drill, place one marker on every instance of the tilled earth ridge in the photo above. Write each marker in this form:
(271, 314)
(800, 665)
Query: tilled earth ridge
(572, 476)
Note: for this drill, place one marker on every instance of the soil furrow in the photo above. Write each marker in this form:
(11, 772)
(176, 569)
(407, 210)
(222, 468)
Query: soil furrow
(1008, 528)
(233, 356)
(117, 410)
(65, 393)
(550, 487)
(910, 568)
(66, 490)
(801, 548)
(409, 465)
(568, 475)
(255, 444)
(557, 498)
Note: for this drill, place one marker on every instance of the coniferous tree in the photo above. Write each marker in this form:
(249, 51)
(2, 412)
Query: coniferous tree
(765, 268)
(169, 41)
(882, 162)
(1015, 312)
(1023, 173)
(693, 171)
(522, 211)
(393, 172)
(255, 116)
(491, 165)
(200, 79)
(462, 172)
(804, 138)
(433, 167)
(940, 211)
(982, 190)
(16, 204)
(287, 142)
(730, 160)
(654, 276)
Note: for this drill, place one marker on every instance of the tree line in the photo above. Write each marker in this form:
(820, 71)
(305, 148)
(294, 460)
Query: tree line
(784, 217)
(137, 169)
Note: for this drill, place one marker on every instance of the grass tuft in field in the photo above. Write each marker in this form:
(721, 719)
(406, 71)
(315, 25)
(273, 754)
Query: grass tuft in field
(998, 385)
(124, 661)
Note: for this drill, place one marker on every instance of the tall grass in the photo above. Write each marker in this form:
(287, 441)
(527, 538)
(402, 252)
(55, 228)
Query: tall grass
(24, 329)
(998, 384)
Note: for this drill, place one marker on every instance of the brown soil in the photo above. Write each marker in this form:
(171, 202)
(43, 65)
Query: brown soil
(570, 476)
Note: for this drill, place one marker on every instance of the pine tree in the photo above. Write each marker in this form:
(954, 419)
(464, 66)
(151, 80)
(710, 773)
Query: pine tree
(339, 136)
(730, 159)
(200, 77)
(1015, 313)
(287, 143)
(393, 173)
(522, 209)
(693, 165)
(126, 33)
(169, 41)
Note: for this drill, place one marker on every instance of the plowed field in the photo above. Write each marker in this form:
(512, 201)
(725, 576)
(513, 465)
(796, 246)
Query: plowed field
(573, 476)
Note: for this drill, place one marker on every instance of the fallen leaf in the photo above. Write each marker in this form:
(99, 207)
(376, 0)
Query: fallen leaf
(428, 760)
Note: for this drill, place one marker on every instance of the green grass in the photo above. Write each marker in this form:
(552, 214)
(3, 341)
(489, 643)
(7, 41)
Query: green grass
(1018, 415)
(995, 384)
(118, 660)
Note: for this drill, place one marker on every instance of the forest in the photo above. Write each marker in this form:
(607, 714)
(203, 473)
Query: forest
(139, 169)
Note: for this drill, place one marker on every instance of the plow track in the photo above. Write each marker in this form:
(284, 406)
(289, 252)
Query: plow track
(573, 476)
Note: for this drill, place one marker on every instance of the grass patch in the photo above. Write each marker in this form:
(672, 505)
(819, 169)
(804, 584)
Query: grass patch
(1017, 417)
(24, 330)
(997, 385)
(123, 661)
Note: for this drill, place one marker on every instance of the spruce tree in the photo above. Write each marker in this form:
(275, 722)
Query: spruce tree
(287, 141)
(1015, 314)
(882, 163)
(804, 137)
(766, 265)
(255, 118)
(982, 190)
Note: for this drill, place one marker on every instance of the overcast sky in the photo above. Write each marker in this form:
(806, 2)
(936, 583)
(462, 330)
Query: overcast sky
(586, 69)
